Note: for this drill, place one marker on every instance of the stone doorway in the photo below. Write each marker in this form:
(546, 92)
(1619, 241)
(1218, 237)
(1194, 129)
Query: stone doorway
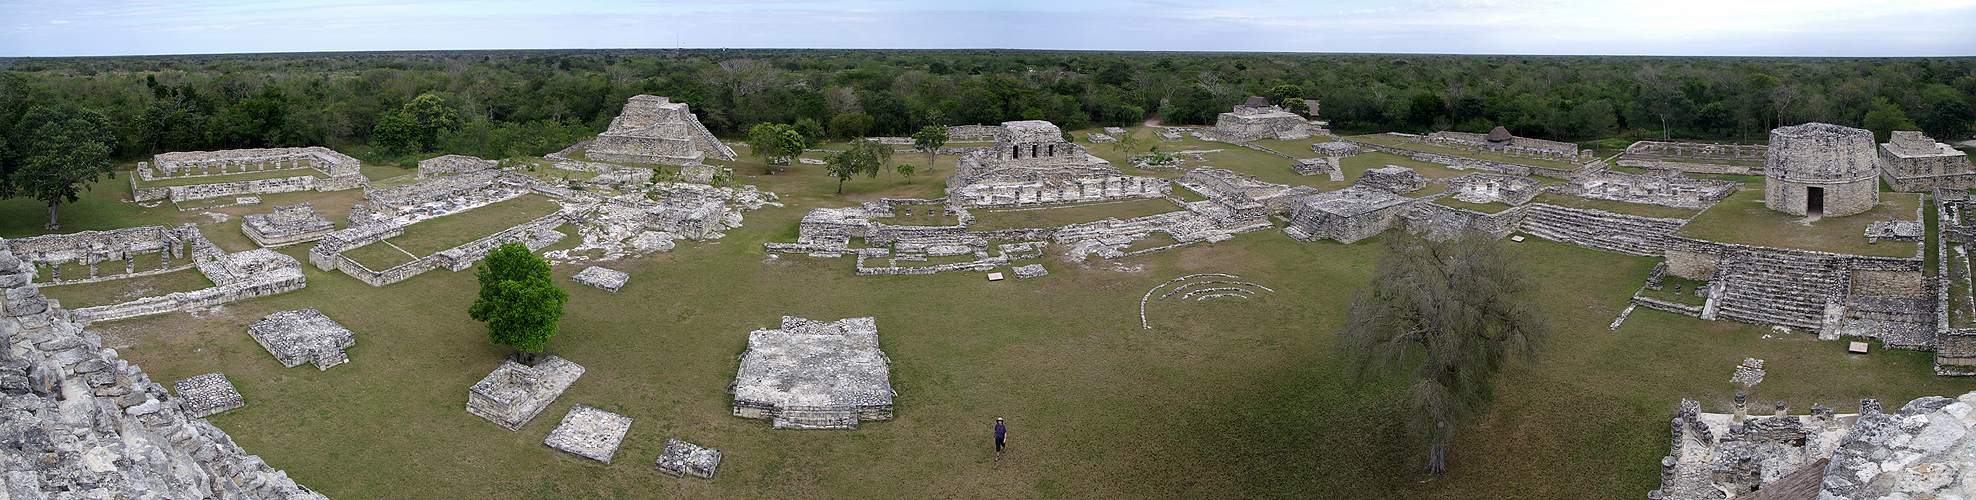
(1814, 201)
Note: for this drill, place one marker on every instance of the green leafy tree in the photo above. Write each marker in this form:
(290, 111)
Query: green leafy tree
(1284, 95)
(1885, 118)
(1947, 113)
(812, 131)
(850, 125)
(929, 139)
(64, 150)
(1451, 313)
(864, 157)
(775, 143)
(396, 134)
(1668, 105)
(519, 302)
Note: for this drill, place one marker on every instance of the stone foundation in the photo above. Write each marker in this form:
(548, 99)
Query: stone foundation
(208, 394)
(589, 433)
(682, 458)
(286, 226)
(609, 280)
(814, 375)
(303, 336)
(514, 393)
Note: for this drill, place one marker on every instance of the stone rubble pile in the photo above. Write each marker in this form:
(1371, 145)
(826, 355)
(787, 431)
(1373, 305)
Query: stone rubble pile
(514, 393)
(288, 225)
(1925, 450)
(682, 459)
(589, 433)
(207, 395)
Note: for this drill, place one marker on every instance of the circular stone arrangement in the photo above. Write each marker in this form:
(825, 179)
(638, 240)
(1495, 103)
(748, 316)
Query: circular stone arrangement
(1821, 168)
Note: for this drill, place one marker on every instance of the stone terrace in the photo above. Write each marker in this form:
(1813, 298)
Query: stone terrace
(514, 393)
(814, 375)
(303, 336)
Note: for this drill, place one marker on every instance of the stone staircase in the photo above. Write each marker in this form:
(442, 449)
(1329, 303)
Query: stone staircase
(1599, 229)
(1775, 288)
(798, 417)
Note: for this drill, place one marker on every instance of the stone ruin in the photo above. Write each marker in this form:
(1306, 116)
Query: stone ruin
(1911, 161)
(1895, 230)
(814, 375)
(1820, 168)
(238, 276)
(1097, 138)
(514, 393)
(95, 247)
(342, 171)
(447, 195)
(1491, 188)
(1677, 192)
(609, 280)
(1346, 215)
(288, 225)
(303, 336)
(683, 459)
(1242, 193)
(1925, 450)
(1031, 164)
(1030, 271)
(1258, 119)
(1393, 178)
(589, 433)
(1340, 149)
(79, 422)
(1501, 141)
(655, 130)
(208, 394)
(1955, 348)
(973, 133)
(452, 165)
(1675, 158)
(632, 225)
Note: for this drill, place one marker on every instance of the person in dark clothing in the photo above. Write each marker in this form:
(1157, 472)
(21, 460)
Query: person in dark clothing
(1001, 437)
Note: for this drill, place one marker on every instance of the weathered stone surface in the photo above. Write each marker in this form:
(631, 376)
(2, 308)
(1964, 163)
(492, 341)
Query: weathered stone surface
(1032, 164)
(514, 393)
(682, 458)
(589, 433)
(1258, 119)
(814, 375)
(303, 336)
(1820, 164)
(1346, 215)
(601, 278)
(1030, 271)
(1394, 178)
(286, 226)
(1494, 188)
(653, 129)
(1925, 450)
(452, 165)
(208, 394)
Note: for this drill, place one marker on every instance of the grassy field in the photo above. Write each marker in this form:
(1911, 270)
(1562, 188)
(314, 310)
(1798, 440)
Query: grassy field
(1221, 398)
(1742, 218)
(103, 293)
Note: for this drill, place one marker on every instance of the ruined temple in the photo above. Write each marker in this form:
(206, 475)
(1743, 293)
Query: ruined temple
(1911, 161)
(1258, 119)
(655, 130)
(1031, 164)
(1821, 168)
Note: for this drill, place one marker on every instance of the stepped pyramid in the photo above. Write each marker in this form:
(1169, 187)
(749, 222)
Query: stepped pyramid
(655, 130)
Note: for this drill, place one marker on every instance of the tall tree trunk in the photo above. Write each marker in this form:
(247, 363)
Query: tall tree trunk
(52, 225)
(1437, 460)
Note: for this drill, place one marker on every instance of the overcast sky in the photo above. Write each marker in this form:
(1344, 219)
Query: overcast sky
(1628, 27)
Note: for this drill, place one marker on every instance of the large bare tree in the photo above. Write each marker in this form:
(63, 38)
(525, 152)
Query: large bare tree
(1451, 313)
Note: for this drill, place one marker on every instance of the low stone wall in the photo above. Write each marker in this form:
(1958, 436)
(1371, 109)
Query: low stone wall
(455, 259)
(323, 255)
(388, 276)
(93, 247)
(1676, 308)
(1468, 163)
(1691, 168)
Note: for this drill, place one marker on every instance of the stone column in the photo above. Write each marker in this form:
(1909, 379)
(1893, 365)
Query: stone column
(130, 264)
(1781, 407)
(1742, 407)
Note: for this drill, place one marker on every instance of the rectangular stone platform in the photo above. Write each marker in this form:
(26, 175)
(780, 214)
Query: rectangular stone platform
(609, 280)
(208, 394)
(589, 433)
(682, 458)
(514, 393)
(303, 336)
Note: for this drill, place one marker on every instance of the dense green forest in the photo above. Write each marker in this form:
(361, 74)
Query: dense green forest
(395, 105)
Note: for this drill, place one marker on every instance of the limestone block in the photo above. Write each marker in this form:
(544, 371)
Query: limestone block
(682, 458)
(303, 336)
(208, 394)
(1030, 271)
(814, 375)
(589, 433)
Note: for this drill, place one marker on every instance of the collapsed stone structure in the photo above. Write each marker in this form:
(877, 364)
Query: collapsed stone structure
(514, 393)
(609, 280)
(1911, 161)
(1392, 178)
(411, 203)
(342, 171)
(1820, 168)
(1494, 188)
(1955, 330)
(682, 458)
(814, 375)
(1258, 119)
(655, 130)
(1346, 215)
(288, 225)
(1500, 140)
(634, 225)
(237, 276)
(589, 433)
(452, 164)
(79, 422)
(1031, 164)
(1696, 157)
(303, 336)
(448, 195)
(973, 133)
(1924, 450)
(1677, 192)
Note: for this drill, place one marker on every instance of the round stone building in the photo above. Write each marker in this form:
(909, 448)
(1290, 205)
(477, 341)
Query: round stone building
(1821, 168)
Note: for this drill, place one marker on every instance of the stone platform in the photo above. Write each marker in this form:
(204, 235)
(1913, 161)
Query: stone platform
(608, 280)
(814, 375)
(303, 336)
(514, 393)
(208, 394)
(589, 433)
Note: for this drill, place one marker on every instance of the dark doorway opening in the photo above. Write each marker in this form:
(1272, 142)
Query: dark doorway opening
(1814, 201)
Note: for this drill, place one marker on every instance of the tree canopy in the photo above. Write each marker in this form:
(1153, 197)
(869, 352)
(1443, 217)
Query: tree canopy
(519, 302)
(58, 151)
(775, 143)
(1449, 314)
(865, 156)
(929, 139)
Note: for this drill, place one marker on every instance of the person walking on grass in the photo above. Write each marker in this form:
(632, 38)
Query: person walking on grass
(1001, 437)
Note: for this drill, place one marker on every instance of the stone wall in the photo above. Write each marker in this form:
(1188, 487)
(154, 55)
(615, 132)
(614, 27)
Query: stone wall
(452, 164)
(480, 186)
(1838, 160)
(1346, 215)
(82, 423)
(1674, 192)
(342, 172)
(1914, 162)
(1445, 222)
(94, 247)
(1467, 163)
(969, 133)
(1689, 167)
(1695, 151)
(324, 254)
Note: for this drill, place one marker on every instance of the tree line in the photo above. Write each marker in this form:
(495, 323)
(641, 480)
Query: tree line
(385, 105)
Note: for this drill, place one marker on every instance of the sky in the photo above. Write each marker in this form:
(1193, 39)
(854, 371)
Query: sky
(1628, 27)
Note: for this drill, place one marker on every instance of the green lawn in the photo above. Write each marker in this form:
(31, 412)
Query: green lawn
(432, 236)
(1742, 218)
(1222, 398)
(103, 293)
